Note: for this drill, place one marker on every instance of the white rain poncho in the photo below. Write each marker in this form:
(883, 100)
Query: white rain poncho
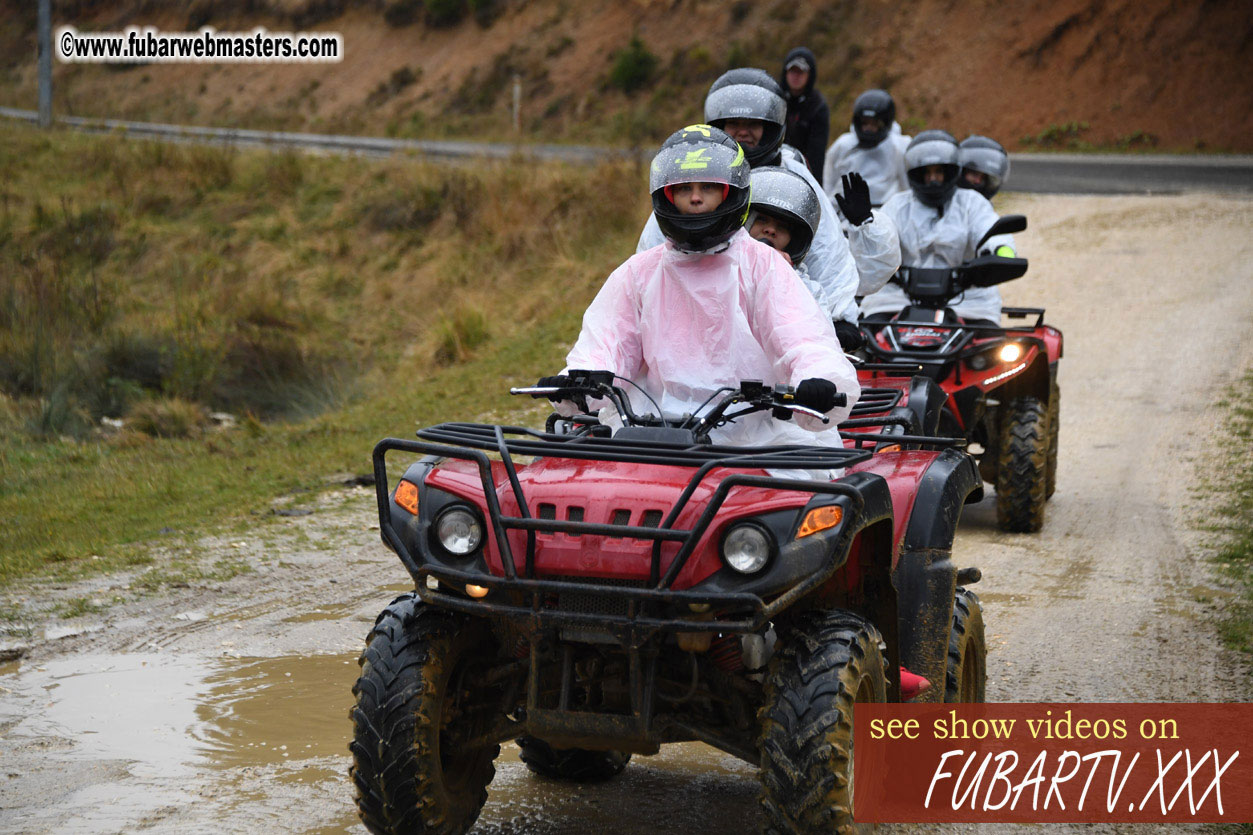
(681, 325)
(883, 166)
(876, 248)
(931, 240)
(830, 261)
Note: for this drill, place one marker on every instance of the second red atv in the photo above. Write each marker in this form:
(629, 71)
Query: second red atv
(595, 595)
(1003, 396)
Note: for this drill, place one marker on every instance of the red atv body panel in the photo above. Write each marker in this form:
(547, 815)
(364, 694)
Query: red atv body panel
(601, 492)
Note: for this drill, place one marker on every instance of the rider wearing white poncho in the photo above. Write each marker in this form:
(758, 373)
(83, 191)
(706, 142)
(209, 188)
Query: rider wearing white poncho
(939, 225)
(873, 147)
(712, 307)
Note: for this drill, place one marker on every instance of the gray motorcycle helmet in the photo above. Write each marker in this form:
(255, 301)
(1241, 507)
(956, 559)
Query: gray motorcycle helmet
(988, 157)
(932, 147)
(748, 93)
(786, 196)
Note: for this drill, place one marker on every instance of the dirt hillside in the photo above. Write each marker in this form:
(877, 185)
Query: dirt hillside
(1112, 74)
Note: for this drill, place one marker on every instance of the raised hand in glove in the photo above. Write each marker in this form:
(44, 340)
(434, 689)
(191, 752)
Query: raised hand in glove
(817, 394)
(855, 201)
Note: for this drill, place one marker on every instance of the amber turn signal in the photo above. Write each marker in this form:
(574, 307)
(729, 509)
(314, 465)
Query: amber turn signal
(821, 519)
(476, 591)
(407, 496)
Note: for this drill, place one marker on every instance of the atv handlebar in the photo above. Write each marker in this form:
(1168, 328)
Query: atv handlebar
(754, 395)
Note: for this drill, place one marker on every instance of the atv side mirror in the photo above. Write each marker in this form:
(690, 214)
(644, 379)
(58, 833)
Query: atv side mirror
(987, 270)
(1004, 226)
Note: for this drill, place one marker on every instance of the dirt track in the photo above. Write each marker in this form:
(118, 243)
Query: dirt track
(223, 707)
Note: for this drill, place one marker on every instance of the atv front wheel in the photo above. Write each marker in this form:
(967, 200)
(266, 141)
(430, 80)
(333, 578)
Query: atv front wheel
(576, 764)
(967, 676)
(1021, 464)
(415, 708)
(828, 662)
(1055, 422)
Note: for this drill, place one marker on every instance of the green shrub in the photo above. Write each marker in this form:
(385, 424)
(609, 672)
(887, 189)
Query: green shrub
(486, 11)
(1065, 135)
(633, 67)
(401, 12)
(444, 12)
(60, 414)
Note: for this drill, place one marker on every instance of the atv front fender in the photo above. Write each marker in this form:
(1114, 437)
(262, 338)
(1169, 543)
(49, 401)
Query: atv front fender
(925, 576)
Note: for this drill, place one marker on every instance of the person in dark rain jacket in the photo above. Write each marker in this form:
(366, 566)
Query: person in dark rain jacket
(808, 117)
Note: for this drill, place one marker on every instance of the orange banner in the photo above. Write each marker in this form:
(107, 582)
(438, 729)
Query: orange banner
(1079, 763)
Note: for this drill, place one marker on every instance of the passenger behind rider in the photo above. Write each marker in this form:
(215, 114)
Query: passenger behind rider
(984, 165)
(985, 168)
(939, 225)
(711, 307)
(748, 104)
(783, 214)
(873, 147)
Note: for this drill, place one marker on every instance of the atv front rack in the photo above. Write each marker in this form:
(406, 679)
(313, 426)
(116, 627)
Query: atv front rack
(646, 609)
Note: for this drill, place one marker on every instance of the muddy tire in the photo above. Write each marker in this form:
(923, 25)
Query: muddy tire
(828, 662)
(409, 780)
(966, 679)
(1021, 462)
(1055, 423)
(575, 764)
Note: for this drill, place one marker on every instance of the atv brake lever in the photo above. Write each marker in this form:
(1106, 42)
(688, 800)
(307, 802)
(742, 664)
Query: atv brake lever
(805, 410)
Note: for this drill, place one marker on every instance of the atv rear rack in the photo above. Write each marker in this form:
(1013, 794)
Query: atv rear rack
(472, 442)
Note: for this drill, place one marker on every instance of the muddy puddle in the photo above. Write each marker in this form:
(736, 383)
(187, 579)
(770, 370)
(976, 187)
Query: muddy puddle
(251, 736)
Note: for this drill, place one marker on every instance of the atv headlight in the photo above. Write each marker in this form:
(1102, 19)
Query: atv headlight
(459, 531)
(747, 547)
(1010, 352)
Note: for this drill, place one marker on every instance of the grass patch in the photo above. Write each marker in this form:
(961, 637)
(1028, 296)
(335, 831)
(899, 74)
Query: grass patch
(1230, 519)
(325, 302)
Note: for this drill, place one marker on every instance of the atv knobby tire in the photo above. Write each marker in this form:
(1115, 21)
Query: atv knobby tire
(576, 764)
(1021, 464)
(1055, 423)
(828, 662)
(409, 779)
(966, 679)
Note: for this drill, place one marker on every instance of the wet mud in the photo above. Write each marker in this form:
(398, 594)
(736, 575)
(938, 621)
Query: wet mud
(223, 707)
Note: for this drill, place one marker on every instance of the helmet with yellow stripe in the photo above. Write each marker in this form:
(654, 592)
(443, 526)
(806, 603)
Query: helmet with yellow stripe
(699, 154)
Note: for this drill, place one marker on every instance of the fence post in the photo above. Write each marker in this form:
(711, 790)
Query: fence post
(45, 63)
(517, 103)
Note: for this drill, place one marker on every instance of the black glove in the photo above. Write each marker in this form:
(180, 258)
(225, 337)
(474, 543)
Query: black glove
(850, 336)
(817, 394)
(855, 201)
(555, 381)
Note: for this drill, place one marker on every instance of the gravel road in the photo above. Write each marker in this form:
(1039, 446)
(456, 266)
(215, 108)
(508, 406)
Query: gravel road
(222, 707)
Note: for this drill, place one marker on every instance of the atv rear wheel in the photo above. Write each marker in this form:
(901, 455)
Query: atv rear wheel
(1050, 465)
(414, 708)
(576, 764)
(1021, 464)
(828, 662)
(967, 676)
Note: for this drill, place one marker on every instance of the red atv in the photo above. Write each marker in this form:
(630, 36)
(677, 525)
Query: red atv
(612, 593)
(1001, 381)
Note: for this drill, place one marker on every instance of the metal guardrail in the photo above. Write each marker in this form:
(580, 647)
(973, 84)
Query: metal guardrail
(365, 145)
(1061, 173)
